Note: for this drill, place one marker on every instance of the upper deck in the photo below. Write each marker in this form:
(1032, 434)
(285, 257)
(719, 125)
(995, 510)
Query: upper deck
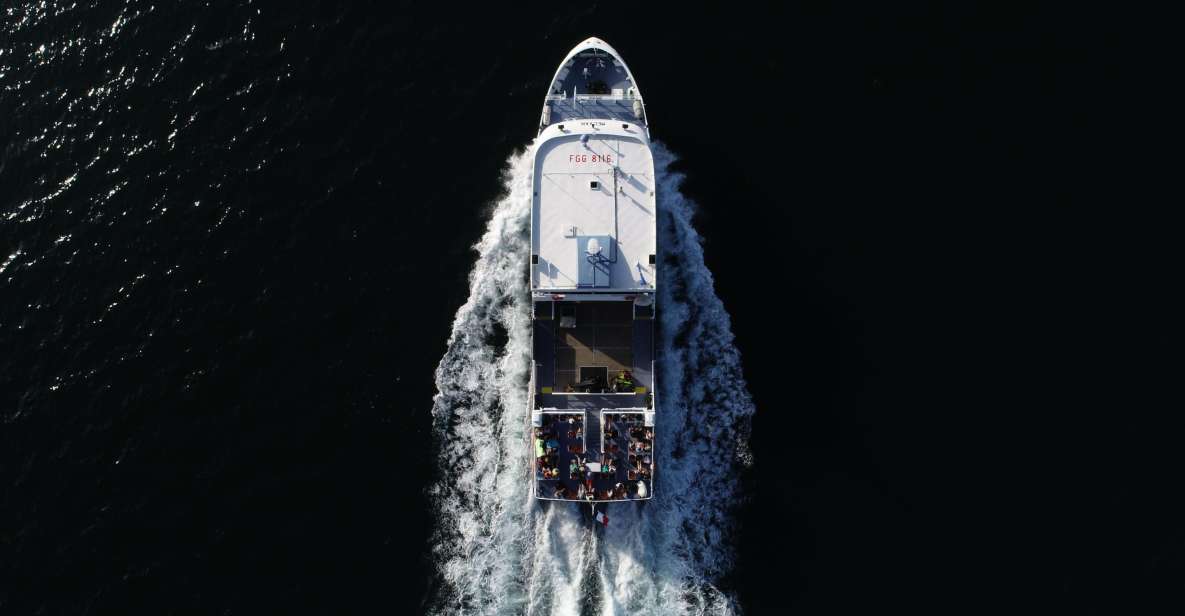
(593, 212)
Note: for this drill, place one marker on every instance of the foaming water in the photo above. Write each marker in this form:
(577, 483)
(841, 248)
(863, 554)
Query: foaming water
(497, 550)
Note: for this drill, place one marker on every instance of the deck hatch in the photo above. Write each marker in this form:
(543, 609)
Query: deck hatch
(594, 260)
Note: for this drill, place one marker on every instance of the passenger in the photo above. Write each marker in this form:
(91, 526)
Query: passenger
(624, 382)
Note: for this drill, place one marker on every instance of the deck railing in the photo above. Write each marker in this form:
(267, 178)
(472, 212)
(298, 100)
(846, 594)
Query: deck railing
(653, 388)
(624, 96)
(531, 388)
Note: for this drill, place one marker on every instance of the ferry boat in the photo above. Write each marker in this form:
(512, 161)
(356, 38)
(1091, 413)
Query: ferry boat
(593, 280)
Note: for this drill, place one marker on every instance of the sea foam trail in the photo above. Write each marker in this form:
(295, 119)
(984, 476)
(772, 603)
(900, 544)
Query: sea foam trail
(496, 549)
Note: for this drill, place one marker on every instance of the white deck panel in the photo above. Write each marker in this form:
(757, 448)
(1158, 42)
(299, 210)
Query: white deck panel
(622, 164)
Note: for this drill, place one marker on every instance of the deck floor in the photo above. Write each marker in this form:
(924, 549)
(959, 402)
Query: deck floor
(606, 335)
(605, 109)
(625, 452)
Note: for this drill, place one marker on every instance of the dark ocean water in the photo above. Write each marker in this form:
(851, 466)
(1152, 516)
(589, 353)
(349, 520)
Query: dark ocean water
(234, 236)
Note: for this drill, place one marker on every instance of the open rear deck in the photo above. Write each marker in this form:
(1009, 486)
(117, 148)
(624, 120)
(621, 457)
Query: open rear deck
(594, 456)
(594, 363)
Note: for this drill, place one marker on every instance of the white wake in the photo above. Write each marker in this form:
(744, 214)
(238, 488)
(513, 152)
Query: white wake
(497, 550)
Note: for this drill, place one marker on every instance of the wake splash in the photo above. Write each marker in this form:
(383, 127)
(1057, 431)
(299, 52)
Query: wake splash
(497, 550)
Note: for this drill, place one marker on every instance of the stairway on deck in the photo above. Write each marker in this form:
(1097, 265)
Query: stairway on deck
(592, 435)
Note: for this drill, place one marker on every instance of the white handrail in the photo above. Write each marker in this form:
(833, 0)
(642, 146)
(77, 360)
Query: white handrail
(531, 387)
(653, 388)
(591, 97)
(613, 97)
